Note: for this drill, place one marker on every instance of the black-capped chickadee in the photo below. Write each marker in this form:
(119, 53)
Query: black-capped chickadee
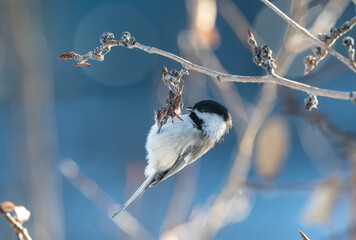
(181, 143)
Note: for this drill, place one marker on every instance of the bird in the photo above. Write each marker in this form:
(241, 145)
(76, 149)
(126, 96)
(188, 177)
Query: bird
(181, 143)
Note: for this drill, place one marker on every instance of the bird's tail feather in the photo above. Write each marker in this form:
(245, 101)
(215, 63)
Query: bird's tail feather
(137, 194)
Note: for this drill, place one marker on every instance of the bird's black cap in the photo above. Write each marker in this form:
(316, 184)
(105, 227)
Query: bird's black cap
(210, 106)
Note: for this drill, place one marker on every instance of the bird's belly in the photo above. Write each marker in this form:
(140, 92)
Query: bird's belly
(164, 160)
(164, 148)
(162, 157)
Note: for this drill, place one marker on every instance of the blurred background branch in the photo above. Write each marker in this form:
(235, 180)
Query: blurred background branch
(91, 190)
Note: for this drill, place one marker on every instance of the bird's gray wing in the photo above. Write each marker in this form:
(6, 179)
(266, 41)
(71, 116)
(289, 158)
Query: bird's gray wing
(181, 162)
(137, 194)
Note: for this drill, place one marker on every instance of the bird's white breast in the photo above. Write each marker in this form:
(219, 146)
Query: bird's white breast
(164, 148)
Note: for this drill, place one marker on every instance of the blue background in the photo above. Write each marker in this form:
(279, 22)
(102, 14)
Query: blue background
(99, 117)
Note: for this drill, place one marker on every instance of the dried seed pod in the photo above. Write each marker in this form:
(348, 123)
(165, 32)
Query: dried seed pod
(309, 64)
(262, 56)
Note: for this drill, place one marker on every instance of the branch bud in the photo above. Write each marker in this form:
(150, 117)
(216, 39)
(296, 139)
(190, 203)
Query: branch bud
(353, 97)
(311, 102)
(127, 40)
(348, 41)
(106, 37)
(262, 56)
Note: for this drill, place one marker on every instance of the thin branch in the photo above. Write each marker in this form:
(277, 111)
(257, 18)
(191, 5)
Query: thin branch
(330, 14)
(107, 41)
(21, 231)
(14, 222)
(309, 35)
(273, 78)
(126, 222)
(319, 53)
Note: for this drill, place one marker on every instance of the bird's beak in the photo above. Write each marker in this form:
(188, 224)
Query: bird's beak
(190, 109)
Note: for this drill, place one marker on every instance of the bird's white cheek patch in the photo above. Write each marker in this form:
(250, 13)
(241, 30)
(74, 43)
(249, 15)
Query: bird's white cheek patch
(213, 125)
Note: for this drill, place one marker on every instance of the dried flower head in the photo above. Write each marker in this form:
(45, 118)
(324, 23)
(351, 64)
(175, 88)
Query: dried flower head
(172, 110)
(173, 80)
